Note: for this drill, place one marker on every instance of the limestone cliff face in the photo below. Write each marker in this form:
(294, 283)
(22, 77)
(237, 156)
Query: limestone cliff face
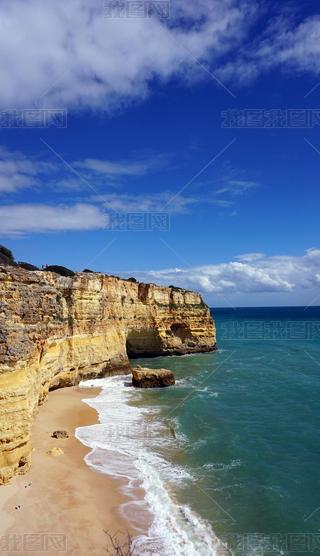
(56, 331)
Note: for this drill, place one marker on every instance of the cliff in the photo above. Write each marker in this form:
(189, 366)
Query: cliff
(56, 331)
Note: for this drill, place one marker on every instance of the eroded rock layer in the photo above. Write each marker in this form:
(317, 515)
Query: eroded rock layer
(56, 331)
(142, 377)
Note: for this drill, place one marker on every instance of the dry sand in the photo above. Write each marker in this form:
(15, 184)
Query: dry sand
(65, 506)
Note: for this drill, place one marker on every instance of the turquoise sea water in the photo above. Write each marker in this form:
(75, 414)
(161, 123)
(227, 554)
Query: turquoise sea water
(235, 442)
(250, 417)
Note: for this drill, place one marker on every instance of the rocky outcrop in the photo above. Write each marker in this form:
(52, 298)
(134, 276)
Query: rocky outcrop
(152, 378)
(60, 434)
(56, 331)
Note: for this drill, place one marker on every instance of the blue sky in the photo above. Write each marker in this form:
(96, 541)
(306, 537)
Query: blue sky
(144, 134)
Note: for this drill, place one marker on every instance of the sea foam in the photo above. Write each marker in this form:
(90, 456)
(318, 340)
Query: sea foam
(126, 444)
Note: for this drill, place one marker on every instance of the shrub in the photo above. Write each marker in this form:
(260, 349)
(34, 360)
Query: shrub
(70, 320)
(131, 280)
(176, 288)
(27, 266)
(6, 256)
(62, 270)
(88, 270)
(4, 260)
(7, 252)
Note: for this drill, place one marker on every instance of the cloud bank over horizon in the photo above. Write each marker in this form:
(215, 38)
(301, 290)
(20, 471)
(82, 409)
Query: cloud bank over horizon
(251, 273)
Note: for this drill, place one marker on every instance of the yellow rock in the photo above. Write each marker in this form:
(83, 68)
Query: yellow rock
(55, 452)
(152, 378)
(56, 331)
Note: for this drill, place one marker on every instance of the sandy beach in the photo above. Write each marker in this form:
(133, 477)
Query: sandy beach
(61, 505)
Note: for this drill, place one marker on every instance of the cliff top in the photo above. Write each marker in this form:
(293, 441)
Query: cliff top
(19, 272)
(28, 273)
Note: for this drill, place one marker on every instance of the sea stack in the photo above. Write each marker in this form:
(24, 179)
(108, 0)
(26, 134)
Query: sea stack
(152, 378)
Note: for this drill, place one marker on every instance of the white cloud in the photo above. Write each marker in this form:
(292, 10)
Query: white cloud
(157, 202)
(250, 257)
(284, 44)
(229, 193)
(68, 54)
(297, 47)
(32, 218)
(235, 188)
(111, 169)
(259, 274)
(167, 201)
(19, 172)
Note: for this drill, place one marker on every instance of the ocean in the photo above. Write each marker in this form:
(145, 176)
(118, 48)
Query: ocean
(229, 457)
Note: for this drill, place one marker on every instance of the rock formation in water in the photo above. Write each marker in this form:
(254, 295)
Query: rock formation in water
(152, 378)
(56, 331)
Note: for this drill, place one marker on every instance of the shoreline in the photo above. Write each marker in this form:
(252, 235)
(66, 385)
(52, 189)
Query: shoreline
(97, 487)
(131, 449)
(61, 504)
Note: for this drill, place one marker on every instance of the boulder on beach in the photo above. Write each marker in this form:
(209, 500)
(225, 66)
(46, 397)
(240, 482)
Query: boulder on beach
(152, 378)
(60, 434)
